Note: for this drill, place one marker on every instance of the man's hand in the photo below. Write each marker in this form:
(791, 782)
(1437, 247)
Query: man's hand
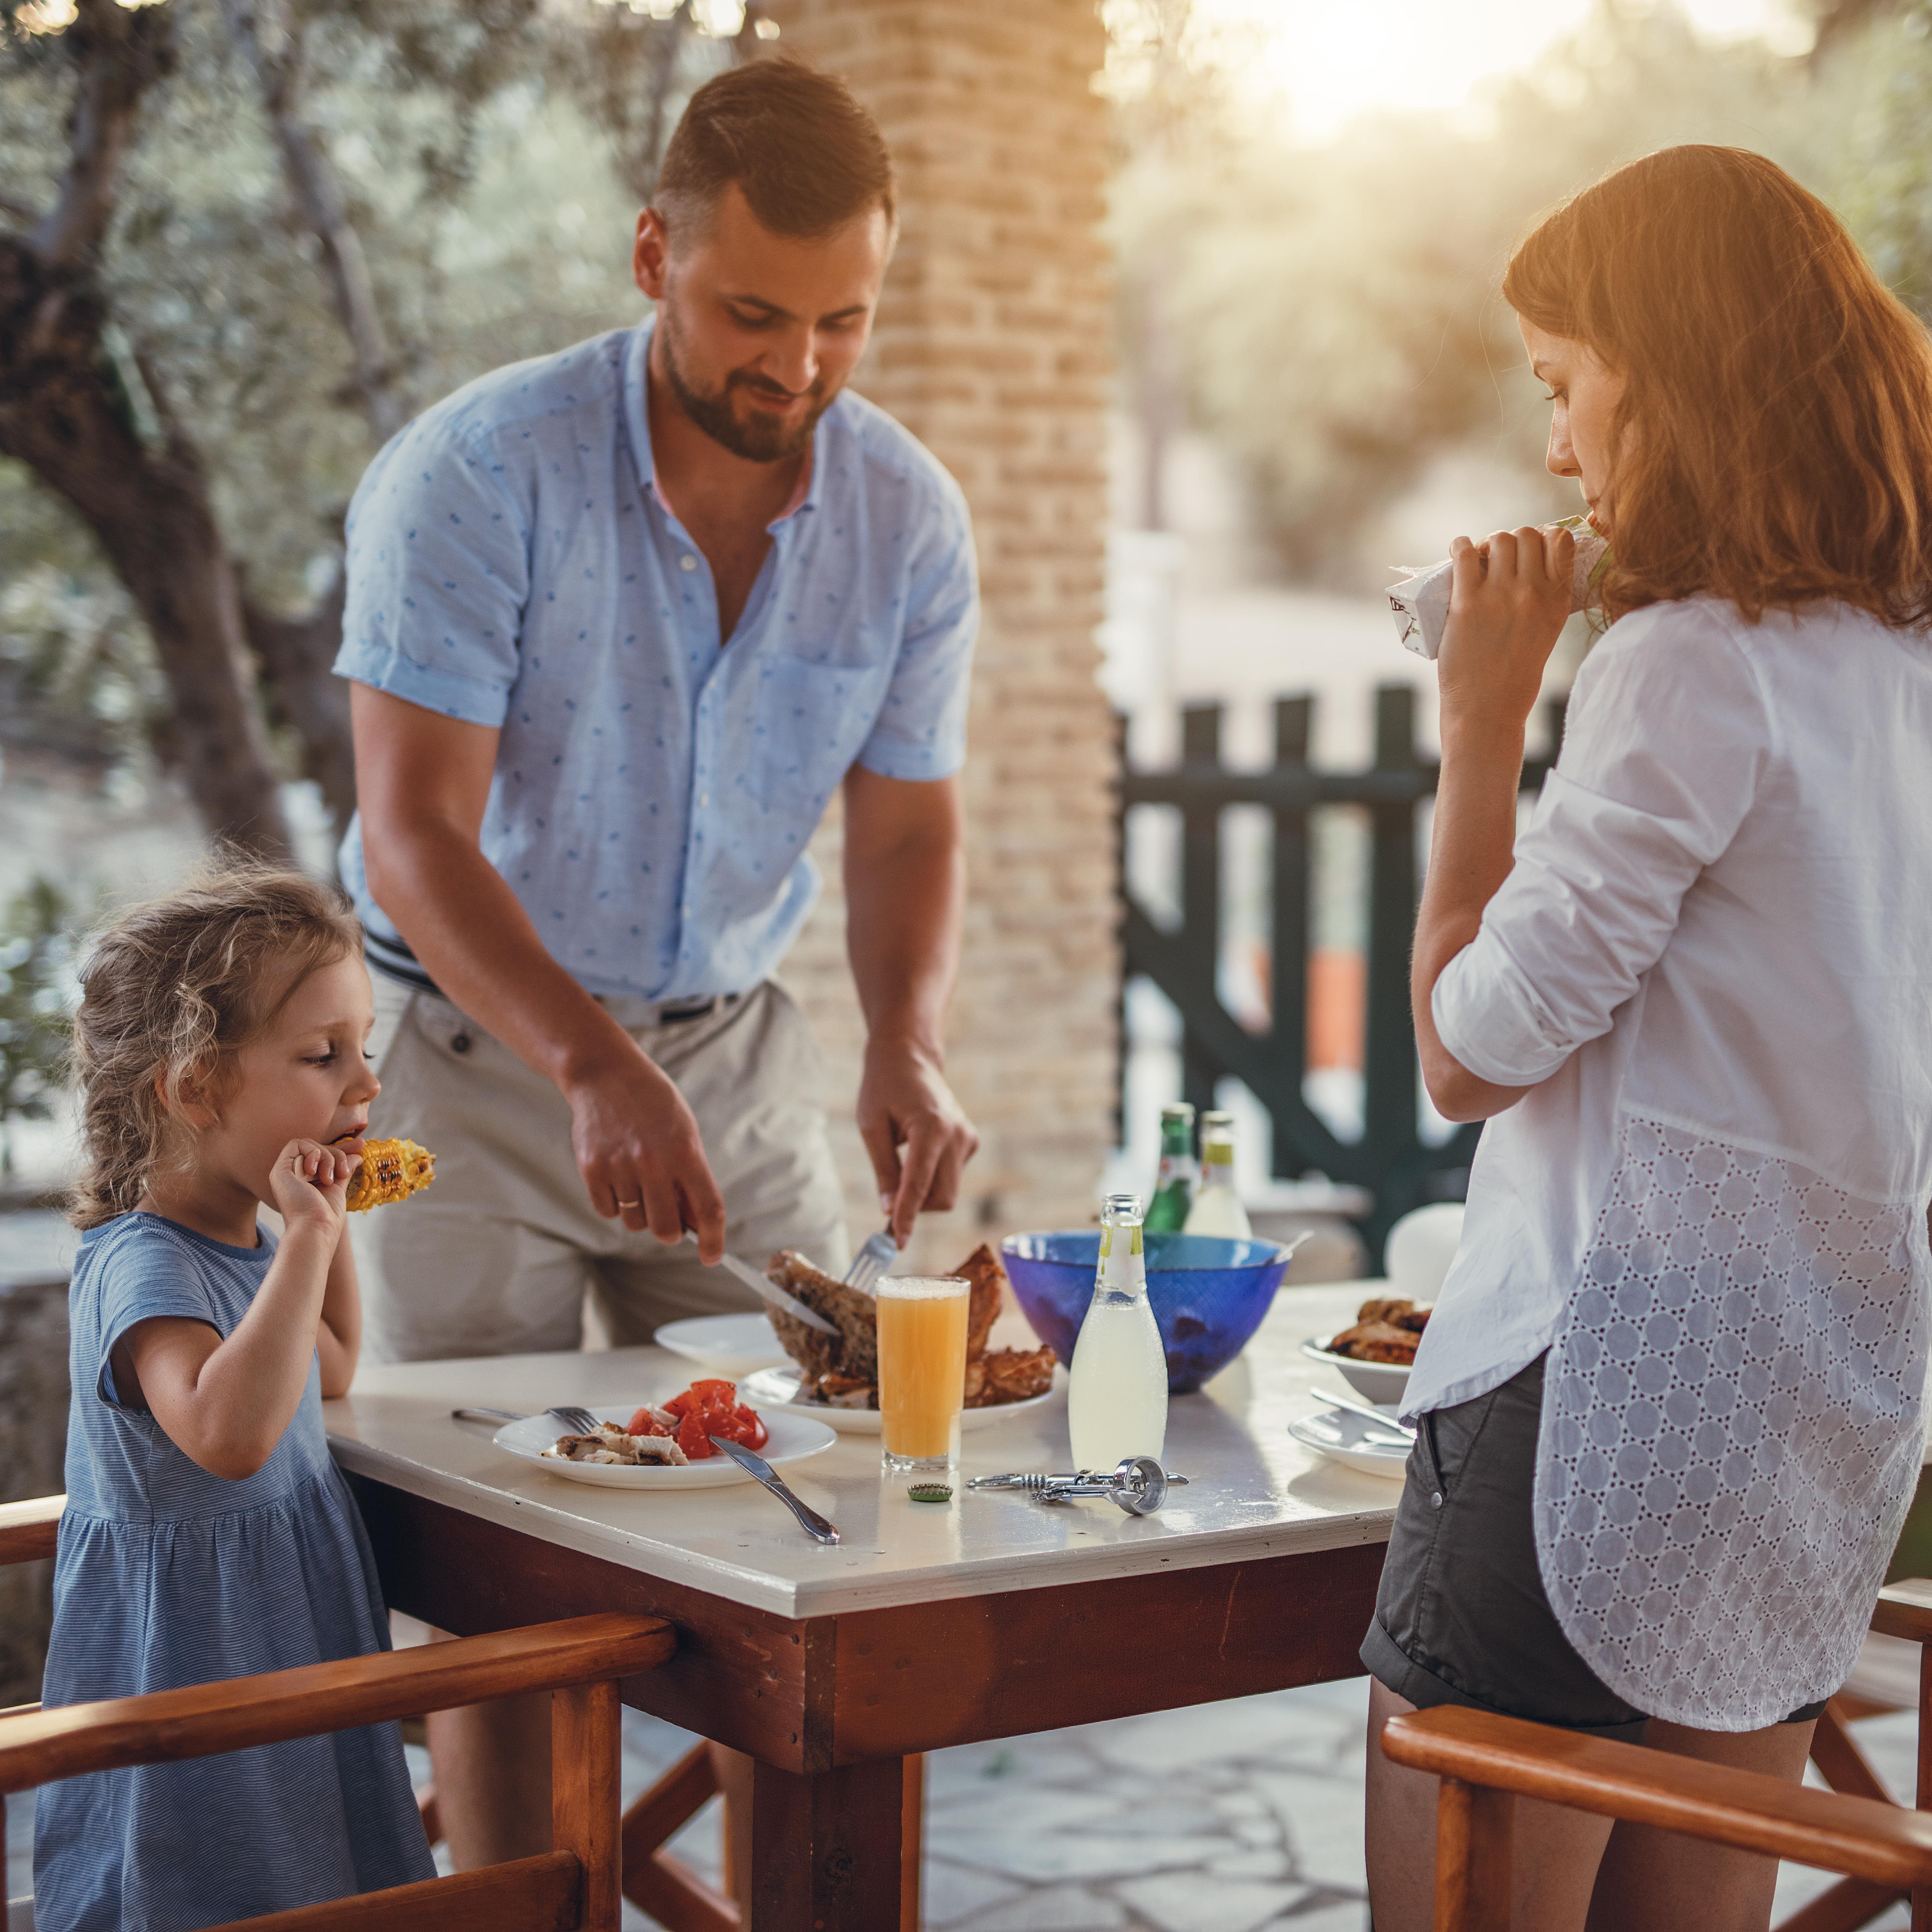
(915, 1132)
(638, 1149)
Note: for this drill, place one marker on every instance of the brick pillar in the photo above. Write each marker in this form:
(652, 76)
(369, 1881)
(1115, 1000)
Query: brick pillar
(993, 347)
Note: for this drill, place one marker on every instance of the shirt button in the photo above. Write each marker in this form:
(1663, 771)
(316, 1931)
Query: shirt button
(1435, 1500)
(687, 562)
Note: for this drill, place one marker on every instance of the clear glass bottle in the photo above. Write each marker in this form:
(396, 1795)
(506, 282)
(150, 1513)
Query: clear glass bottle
(1117, 1387)
(1180, 1174)
(1217, 1208)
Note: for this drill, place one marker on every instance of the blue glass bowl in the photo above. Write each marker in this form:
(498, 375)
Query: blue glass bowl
(1209, 1293)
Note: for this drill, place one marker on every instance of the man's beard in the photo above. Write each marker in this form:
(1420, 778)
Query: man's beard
(757, 441)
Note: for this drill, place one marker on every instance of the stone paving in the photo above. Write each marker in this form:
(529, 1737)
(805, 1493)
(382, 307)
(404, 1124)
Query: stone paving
(1238, 1817)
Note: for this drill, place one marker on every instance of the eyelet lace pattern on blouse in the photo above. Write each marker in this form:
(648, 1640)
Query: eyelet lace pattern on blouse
(1731, 1429)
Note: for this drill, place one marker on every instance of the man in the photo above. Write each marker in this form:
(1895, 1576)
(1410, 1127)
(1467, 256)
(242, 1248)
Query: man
(619, 622)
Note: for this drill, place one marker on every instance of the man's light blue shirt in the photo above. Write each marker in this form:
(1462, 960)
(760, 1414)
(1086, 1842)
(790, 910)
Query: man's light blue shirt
(511, 563)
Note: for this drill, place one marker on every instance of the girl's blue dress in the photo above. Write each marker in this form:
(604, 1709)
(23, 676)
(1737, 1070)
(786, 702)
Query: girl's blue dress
(167, 1575)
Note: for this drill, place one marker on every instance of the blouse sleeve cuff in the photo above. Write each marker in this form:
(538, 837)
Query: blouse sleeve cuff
(1491, 1021)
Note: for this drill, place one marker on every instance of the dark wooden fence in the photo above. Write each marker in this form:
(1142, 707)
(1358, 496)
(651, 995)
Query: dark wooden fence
(1390, 1158)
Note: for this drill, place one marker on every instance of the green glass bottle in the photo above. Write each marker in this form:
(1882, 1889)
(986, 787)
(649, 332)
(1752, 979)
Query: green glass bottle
(1180, 1172)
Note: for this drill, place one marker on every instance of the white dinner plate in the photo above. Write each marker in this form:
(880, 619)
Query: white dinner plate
(1375, 1381)
(731, 1346)
(778, 1389)
(793, 1438)
(1350, 1438)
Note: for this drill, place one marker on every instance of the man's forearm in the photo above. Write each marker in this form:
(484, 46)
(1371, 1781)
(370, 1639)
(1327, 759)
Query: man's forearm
(904, 910)
(474, 939)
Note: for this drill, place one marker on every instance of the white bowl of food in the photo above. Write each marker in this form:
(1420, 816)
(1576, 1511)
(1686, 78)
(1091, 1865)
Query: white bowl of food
(1375, 1354)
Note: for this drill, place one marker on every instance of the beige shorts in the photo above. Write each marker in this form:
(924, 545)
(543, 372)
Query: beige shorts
(496, 1258)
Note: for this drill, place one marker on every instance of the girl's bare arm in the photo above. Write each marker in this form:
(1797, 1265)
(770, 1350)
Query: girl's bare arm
(225, 1404)
(338, 1335)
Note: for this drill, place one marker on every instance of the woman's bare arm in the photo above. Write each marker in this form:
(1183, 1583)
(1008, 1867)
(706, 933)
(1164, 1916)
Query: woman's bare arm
(1503, 623)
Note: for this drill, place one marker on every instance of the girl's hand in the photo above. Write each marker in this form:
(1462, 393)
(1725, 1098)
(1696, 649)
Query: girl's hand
(1503, 624)
(310, 1181)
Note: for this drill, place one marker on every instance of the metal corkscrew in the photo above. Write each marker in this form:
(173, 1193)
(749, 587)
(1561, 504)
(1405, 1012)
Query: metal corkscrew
(1139, 1486)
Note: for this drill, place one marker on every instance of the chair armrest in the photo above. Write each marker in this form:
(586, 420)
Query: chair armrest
(1904, 1609)
(27, 1529)
(1857, 1836)
(166, 1725)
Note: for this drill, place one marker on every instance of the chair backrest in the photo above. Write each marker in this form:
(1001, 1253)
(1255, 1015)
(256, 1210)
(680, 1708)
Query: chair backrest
(575, 1887)
(1484, 1761)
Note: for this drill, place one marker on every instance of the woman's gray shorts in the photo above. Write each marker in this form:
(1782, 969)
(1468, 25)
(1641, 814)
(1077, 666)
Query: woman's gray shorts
(1461, 1617)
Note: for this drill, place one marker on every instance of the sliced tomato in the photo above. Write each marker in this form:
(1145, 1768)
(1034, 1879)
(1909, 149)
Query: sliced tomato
(694, 1438)
(756, 1434)
(645, 1424)
(715, 1394)
(680, 1404)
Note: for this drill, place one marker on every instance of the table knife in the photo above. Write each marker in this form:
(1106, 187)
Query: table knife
(770, 1290)
(815, 1525)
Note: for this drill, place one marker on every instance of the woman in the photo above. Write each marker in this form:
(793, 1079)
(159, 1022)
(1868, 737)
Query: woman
(1670, 1402)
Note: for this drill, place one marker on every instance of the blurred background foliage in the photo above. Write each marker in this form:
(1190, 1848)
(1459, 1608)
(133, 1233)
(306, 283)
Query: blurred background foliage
(1328, 315)
(493, 154)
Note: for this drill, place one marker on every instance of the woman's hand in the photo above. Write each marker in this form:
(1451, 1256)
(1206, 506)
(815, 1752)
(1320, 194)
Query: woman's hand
(310, 1183)
(1503, 622)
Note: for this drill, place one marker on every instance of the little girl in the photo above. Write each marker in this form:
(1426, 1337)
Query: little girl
(207, 1534)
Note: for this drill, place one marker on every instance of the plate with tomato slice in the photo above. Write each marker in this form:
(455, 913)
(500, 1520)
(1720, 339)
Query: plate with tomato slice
(690, 1419)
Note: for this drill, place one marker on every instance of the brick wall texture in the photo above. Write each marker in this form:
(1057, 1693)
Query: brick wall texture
(993, 346)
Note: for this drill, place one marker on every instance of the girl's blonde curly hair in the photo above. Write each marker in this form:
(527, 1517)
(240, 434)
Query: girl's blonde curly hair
(171, 991)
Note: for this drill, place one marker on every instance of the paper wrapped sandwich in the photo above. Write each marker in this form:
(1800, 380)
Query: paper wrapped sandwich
(1419, 599)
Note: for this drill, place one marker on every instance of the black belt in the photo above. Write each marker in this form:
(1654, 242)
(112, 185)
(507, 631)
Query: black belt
(698, 1009)
(392, 957)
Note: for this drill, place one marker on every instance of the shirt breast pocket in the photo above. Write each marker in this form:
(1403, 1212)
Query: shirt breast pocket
(809, 721)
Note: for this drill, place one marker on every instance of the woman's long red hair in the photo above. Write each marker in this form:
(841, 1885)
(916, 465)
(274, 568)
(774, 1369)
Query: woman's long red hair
(1774, 438)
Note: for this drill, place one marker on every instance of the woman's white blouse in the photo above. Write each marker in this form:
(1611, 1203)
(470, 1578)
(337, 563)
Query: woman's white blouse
(1712, 964)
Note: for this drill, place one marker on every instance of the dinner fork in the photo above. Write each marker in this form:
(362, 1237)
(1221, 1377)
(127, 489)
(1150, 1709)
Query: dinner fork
(578, 1421)
(876, 1254)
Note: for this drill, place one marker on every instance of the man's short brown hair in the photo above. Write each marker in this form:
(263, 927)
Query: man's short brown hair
(807, 158)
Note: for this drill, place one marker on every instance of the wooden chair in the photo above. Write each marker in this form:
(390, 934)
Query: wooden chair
(575, 1887)
(1904, 1609)
(1485, 1762)
(1856, 1828)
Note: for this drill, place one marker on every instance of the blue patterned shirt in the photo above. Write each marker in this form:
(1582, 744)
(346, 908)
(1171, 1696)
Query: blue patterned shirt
(511, 562)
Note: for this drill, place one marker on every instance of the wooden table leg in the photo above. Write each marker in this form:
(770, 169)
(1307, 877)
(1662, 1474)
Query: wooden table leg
(827, 1848)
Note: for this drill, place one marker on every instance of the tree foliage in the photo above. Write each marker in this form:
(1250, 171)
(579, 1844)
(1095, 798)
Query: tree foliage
(1333, 313)
(303, 220)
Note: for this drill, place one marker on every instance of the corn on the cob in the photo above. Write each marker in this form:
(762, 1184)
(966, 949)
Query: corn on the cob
(390, 1171)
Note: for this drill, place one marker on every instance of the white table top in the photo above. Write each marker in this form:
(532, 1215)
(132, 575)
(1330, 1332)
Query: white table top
(1255, 1493)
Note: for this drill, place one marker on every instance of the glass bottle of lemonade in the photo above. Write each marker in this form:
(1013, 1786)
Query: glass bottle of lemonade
(1117, 1387)
(1179, 1171)
(1217, 1208)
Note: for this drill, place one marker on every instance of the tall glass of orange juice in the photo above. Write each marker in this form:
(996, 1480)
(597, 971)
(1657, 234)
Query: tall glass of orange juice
(921, 1369)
